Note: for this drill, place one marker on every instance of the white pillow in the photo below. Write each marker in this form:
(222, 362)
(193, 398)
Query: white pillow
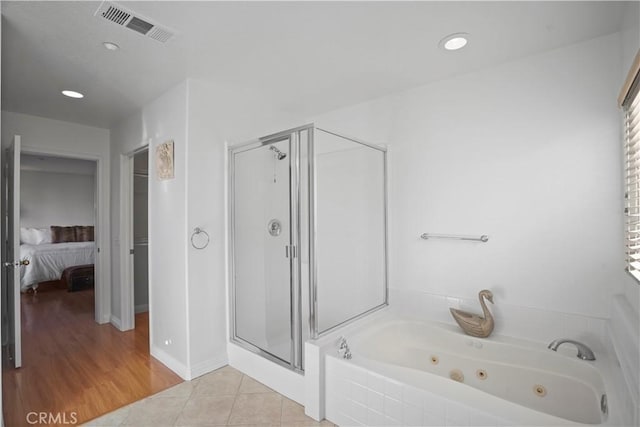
(43, 235)
(35, 236)
(28, 236)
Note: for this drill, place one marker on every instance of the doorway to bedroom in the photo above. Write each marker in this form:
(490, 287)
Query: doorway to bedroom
(58, 210)
(72, 366)
(57, 223)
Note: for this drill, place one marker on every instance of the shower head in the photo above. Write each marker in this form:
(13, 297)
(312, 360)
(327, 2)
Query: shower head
(279, 153)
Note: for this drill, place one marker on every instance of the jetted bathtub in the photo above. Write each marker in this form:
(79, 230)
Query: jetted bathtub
(457, 378)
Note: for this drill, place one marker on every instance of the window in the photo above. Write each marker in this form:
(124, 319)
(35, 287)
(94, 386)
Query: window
(630, 102)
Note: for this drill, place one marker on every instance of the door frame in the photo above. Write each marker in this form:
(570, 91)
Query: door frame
(127, 302)
(11, 270)
(102, 295)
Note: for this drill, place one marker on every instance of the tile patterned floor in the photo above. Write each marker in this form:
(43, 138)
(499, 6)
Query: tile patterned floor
(220, 398)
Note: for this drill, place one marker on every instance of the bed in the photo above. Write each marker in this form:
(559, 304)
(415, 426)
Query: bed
(48, 260)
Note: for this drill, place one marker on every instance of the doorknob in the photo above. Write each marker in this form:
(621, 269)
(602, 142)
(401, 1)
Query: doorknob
(17, 263)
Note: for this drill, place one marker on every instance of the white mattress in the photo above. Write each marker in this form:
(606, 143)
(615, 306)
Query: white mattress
(47, 261)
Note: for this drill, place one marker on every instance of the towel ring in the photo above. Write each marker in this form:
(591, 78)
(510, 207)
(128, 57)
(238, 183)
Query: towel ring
(197, 231)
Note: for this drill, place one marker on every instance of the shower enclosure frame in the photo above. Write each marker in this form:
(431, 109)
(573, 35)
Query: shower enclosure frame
(295, 188)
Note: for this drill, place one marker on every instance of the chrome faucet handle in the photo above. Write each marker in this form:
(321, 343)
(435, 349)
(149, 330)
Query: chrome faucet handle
(342, 343)
(585, 354)
(343, 348)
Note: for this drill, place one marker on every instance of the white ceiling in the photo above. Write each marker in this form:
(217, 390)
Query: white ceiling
(307, 57)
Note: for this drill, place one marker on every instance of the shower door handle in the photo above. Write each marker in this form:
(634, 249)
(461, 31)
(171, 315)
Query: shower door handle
(290, 249)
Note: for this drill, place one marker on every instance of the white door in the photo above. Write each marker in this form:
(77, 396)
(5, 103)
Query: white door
(12, 263)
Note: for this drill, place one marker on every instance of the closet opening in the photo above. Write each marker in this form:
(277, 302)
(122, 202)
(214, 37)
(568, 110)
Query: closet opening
(140, 226)
(135, 296)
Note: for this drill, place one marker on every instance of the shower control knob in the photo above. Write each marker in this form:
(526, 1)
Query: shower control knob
(274, 227)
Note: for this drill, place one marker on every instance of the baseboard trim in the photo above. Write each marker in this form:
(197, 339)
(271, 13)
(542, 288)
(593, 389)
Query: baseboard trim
(207, 366)
(141, 308)
(116, 322)
(170, 362)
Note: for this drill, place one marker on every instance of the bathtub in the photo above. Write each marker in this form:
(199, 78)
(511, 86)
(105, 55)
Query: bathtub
(407, 372)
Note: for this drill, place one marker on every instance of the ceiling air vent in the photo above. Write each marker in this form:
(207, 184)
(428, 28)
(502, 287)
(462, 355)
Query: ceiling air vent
(126, 18)
(116, 15)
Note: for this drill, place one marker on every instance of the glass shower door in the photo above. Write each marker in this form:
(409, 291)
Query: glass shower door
(350, 225)
(262, 248)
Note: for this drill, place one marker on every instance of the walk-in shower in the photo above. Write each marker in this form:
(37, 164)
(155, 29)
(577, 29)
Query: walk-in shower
(308, 238)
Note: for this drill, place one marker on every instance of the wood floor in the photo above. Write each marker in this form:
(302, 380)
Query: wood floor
(71, 365)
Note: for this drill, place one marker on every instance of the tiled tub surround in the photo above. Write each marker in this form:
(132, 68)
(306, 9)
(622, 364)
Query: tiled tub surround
(515, 370)
(357, 396)
(624, 337)
(367, 392)
(511, 320)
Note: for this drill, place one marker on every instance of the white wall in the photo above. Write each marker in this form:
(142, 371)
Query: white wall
(162, 120)
(217, 116)
(187, 286)
(48, 198)
(526, 152)
(63, 139)
(630, 36)
(53, 135)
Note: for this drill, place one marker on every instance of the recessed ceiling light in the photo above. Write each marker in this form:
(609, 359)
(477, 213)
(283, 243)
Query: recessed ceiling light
(454, 41)
(110, 46)
(72, 94)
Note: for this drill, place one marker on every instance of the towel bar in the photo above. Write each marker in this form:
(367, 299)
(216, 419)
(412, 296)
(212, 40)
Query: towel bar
(426, 236)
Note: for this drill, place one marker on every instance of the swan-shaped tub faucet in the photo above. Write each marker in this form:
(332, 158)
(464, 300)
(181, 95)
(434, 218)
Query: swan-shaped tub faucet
(474, 324)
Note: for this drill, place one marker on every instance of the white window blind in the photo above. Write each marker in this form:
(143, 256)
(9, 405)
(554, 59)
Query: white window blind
(631, 108)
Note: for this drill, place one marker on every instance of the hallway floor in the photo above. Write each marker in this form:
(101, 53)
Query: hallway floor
(72, 365)
(223, 397)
